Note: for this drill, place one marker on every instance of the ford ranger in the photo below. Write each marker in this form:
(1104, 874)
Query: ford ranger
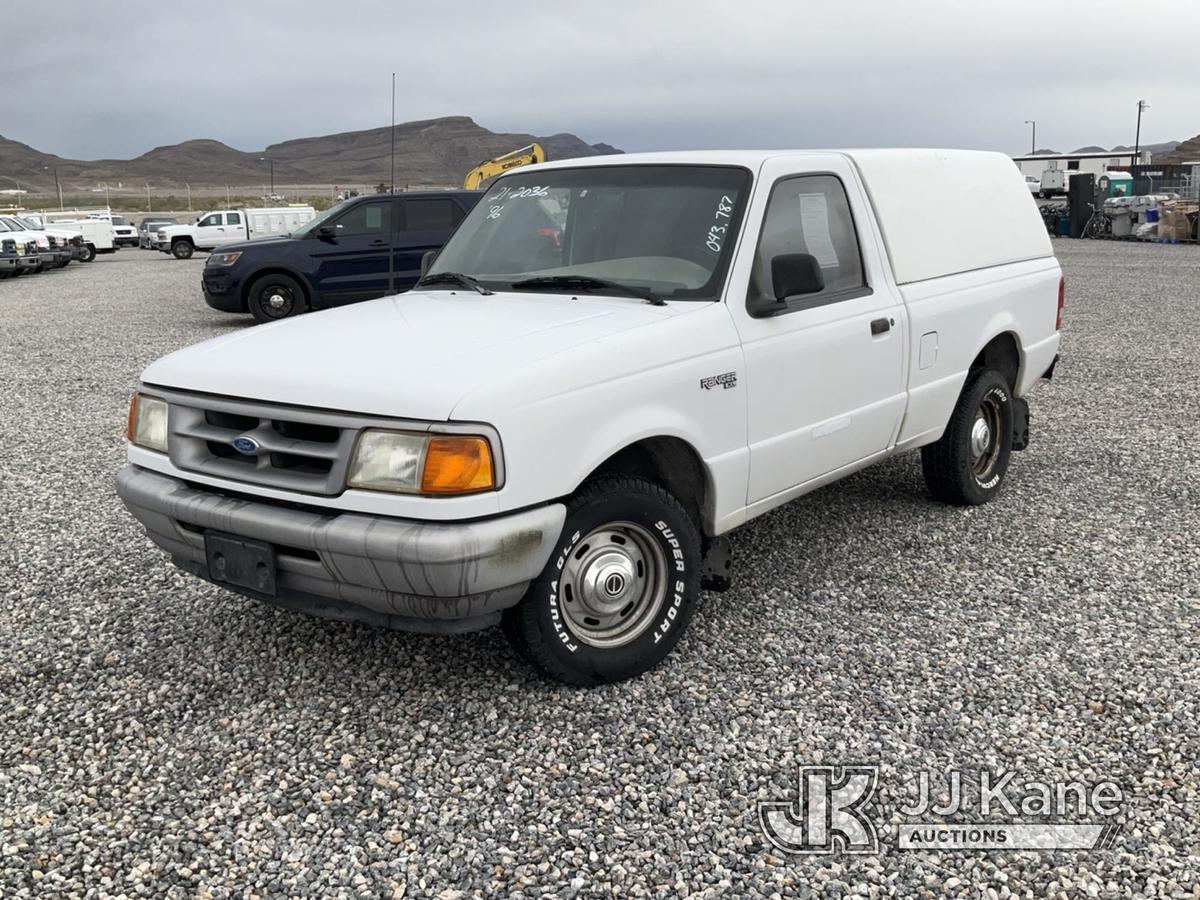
(611, 365)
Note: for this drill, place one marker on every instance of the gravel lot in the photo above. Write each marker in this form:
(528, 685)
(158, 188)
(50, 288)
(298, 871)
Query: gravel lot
(161, 737)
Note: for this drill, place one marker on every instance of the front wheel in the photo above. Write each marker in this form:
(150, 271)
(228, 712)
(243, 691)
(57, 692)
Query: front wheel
(967, 465)
(619, 589)
(275, 297)
(89, 253)
(182, 249)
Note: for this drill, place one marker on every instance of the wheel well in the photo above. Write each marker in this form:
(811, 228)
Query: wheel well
(186, 238)
(248, 283)
(672, 463)
(1003, 354)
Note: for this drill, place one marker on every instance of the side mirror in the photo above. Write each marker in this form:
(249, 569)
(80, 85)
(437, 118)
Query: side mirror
(427, 260)
(796, 273)
(326, 233)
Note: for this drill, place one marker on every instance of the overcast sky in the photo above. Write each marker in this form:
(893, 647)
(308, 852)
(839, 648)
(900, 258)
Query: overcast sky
(102, 79)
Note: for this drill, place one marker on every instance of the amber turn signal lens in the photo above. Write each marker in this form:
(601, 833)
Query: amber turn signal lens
(458, 465)
(131, 423)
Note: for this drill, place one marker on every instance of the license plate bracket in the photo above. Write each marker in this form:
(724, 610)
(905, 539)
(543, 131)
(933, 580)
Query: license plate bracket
(241, 563)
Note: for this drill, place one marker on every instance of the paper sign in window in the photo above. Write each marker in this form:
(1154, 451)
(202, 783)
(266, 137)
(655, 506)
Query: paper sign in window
(814, 220)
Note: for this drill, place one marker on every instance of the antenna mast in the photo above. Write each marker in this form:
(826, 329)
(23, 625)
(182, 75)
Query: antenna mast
(393, 206)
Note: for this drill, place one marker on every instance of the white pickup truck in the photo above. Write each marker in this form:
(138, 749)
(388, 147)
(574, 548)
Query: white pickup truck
(611, 365)
(228, 226)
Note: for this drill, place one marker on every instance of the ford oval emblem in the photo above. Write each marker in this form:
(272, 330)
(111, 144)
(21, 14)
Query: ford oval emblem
(246, 445)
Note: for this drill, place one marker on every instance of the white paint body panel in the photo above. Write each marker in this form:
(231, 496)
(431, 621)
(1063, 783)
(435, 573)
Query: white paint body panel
(569, 382)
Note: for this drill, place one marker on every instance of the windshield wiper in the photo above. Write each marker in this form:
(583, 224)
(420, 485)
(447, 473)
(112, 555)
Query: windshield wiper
(587, 283)
(455, 278)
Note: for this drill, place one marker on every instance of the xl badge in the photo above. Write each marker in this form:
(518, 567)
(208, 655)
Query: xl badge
(246, 445)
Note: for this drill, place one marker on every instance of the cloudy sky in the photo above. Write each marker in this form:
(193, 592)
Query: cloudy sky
(115, 80)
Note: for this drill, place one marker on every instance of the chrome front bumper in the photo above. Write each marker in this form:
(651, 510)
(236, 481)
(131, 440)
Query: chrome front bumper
(397, 573)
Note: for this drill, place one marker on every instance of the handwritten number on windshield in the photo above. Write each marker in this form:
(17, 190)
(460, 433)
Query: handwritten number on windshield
(717, 232)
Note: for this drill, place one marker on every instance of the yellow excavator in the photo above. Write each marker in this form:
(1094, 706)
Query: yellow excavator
(489, 169)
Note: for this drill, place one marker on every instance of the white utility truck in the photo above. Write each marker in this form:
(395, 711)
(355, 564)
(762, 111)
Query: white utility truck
(612, 364)
(96, 226)
(228, 226)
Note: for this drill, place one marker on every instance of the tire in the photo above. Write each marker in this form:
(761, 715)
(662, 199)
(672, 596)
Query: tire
(182, 249)
(624, 539)
(89, 253)
(275, 297)
(967, 465)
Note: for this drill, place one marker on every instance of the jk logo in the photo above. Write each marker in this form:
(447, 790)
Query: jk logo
(830, 814)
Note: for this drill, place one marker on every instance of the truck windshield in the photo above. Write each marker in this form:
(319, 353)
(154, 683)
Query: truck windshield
(667, 230)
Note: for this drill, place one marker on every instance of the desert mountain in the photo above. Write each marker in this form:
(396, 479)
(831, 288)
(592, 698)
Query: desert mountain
(432, 151)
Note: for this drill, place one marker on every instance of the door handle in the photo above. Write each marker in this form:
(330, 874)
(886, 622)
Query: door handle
(879, 326)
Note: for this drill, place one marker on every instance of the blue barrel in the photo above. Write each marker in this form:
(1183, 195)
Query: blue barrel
(1152, 214)
(1064, 226)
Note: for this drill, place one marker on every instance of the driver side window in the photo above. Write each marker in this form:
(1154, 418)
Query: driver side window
(810, 214)
(208, 221)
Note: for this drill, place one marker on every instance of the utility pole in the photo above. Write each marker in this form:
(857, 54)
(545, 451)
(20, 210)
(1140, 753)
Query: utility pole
(271, 163)
(57, 186)
(1032, 136)
(189, 190)
(148, 197)
(1137, 140)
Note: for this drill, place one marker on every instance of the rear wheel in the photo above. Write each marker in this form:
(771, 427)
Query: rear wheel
(619, 589)
(182, 249)
(275, 297)
(968, 464)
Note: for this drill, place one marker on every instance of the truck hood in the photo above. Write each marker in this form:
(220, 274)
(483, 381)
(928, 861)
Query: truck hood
(413, 355)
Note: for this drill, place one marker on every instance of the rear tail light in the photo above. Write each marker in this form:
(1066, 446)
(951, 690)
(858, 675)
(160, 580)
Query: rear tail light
(1062, 300)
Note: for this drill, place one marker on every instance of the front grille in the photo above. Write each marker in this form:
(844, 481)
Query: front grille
(297, 449)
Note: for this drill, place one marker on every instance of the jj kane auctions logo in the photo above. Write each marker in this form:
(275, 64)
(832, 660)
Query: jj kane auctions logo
(834, 811)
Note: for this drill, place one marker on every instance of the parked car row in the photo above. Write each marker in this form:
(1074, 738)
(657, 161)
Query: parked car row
(28, 246)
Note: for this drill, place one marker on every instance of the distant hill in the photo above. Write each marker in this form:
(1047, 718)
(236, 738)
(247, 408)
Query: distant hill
(1158, 150)
(431, 151)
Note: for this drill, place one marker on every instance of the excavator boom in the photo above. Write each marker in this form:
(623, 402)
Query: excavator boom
(489, 169)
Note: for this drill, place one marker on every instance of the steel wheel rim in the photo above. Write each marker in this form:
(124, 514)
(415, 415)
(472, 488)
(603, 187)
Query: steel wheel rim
(985, 438)
(613, 585)
(276, 301)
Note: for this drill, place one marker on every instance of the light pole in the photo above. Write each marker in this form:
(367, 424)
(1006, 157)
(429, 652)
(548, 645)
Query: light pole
(271, 163)
(189, 190)
(1032, 135)
(1137, 140)
(57, 186)
(148, 209)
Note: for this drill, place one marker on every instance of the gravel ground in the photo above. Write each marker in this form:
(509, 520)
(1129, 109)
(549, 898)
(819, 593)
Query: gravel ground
(161, 737)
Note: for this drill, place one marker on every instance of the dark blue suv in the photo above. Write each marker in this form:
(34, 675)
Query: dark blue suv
(339, 257)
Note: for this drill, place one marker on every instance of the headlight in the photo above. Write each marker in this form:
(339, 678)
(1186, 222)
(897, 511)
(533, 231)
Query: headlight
(224, 259)
(408, 463)
(148, 423)
(43, 243)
